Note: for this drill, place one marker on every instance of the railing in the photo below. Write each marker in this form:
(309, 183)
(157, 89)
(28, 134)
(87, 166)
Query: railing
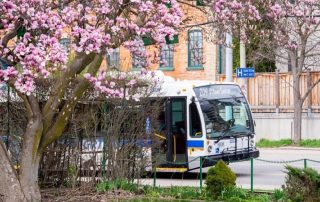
(202, 158)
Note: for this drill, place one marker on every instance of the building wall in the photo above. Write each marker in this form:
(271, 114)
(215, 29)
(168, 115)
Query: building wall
(276, 126)
(180, 57)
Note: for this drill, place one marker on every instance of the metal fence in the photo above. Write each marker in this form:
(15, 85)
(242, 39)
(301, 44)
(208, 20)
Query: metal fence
(252, 161)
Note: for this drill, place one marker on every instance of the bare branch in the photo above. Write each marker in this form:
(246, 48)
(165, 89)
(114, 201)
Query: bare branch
(310, 88)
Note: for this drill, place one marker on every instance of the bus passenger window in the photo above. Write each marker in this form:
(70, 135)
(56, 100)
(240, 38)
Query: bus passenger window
(195, 122)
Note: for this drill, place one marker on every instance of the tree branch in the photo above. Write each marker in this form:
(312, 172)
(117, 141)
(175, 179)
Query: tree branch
(81, 61)
(10, 35)
(309, 90)
(56, 129)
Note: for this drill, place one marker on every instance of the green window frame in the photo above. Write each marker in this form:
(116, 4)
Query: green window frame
(166, 55)
(195, 50)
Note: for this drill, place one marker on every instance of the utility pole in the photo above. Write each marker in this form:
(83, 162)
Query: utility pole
(229, 70)
(229, 58)
(243, 64)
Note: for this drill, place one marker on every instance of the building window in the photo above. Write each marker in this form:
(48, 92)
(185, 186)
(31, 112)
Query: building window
(66, 43)
(113, 58)
(166, 57)
(195, 49)
(138, 61)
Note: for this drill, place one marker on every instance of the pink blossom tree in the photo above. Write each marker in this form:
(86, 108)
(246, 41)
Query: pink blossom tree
(289, 29)
(32, 30)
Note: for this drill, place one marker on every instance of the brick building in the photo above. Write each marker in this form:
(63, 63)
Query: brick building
(194, 56)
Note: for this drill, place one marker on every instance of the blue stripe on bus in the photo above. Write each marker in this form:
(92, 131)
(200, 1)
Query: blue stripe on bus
(195, 143)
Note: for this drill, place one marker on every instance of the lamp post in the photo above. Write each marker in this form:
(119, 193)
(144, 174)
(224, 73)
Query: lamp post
(229, 58)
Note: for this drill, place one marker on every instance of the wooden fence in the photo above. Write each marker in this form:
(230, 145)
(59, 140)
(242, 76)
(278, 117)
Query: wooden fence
(271, 92)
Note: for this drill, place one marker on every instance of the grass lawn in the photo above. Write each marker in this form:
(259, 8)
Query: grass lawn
(287, 142)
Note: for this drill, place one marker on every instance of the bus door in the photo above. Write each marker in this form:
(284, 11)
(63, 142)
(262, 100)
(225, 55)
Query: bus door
(195, 143)
(176, 134)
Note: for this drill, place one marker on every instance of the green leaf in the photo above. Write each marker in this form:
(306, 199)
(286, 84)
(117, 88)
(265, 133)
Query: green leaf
(21, 31)
(200, 2)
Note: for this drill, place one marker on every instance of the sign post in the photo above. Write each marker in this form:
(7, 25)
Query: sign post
(245, 73)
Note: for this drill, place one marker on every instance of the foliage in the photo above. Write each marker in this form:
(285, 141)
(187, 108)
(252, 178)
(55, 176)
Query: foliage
(116, 185)
(72, 176)
(273, 143)
(287, 142)
(93, 28)
(219, 178)
(174, 192)
(289, 40)
(302, 184)
(260, 64)
(278, 195)
(232, 194)
(310, 143)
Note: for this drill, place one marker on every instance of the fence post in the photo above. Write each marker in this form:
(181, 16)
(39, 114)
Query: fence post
(251, 175)
(305, 163)
(277, 91)
(154, 177)
(309, 84)
(200, 173)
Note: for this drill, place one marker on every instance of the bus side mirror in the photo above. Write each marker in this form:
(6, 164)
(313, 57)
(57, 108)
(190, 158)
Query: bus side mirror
(193, 99)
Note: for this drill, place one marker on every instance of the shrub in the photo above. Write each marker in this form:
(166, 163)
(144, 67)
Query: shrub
(278, 195)
(117, 185)
(219, 178)
(302, 184)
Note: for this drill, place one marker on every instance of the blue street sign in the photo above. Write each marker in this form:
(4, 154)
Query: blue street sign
(245, 72)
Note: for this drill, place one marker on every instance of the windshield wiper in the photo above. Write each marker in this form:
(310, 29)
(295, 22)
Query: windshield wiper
(223, 136)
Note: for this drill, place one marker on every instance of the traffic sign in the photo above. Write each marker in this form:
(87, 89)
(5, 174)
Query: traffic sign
(245, 72)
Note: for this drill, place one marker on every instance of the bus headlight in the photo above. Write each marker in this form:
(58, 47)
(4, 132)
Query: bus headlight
(252, 143)
(209, 148)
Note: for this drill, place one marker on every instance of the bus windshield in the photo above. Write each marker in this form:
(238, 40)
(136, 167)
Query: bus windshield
(226, 112)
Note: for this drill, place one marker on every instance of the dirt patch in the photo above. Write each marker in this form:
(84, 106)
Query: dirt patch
(82, 195)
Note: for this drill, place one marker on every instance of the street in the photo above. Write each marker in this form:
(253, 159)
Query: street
(267, 175)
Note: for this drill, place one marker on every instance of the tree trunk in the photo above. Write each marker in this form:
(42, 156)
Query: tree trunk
(30, 159)
(29, 180)
(297, 110)
(10, 188)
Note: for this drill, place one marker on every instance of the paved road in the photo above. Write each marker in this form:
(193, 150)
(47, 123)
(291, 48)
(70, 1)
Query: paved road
(267, 176)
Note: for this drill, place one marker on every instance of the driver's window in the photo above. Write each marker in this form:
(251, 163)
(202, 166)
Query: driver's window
(195, 122)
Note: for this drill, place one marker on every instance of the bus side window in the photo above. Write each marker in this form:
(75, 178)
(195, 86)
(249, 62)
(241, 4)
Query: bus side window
(195, 122)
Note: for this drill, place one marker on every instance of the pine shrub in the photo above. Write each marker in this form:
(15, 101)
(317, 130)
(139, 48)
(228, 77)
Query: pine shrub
(302, 185)
(219, 178)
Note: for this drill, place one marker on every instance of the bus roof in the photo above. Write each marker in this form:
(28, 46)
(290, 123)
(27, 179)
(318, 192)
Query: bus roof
(172, 87)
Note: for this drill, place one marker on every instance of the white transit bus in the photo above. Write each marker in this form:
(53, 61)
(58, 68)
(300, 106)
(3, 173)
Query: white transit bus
(203, 119)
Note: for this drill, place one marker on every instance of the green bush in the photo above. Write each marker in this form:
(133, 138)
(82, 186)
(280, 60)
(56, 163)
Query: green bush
(117, 185)
(219, 178)
(278, 195)
(302, 184)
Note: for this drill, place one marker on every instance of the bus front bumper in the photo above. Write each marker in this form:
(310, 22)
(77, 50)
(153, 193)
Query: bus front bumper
(231, 157)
